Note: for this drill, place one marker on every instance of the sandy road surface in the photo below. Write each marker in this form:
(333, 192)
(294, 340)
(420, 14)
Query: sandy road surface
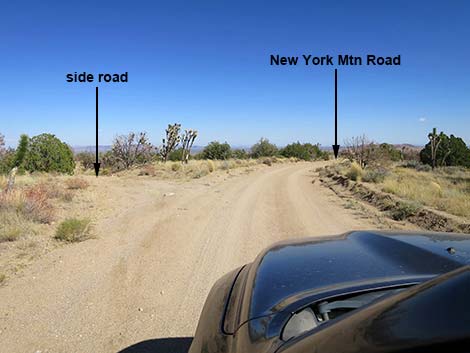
(140, 286)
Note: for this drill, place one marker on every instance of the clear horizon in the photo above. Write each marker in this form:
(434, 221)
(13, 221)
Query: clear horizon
(207, 66)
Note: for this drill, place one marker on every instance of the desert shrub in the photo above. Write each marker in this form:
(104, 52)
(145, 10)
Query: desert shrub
(31, 204)
(240, 154)
(263, 149)
(403, 210)
(73, 230)
(200, 171)
(267, 161)
(3, 278)
(210, 166)
(176, 166)
(76, 184)
(47, 153)
(148, 169)
(374, 175)
(67, 195)
(176, 155)
(306, 151)
(296, 150)
(217, 150)
(129, 150)
(423, 168)
(86, 159)
(355, 172)
(225, 165)
(412, 164)
(36, 206)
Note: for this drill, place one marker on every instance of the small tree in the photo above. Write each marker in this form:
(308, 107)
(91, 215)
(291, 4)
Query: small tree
(217, 150)
(21, 151)
(359, 149)
(263, 149)
(171, 141)
(131, 149)
(188, 139)
(47, 153)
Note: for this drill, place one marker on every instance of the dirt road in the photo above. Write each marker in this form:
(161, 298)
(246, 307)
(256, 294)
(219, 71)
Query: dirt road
(141, 284)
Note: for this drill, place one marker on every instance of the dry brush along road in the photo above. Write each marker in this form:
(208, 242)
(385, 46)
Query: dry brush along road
(140, 285)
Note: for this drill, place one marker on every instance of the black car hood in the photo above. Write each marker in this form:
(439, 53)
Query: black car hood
(288, 271)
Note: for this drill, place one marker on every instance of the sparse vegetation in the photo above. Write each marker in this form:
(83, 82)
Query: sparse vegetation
(76, 183)
(73, 230)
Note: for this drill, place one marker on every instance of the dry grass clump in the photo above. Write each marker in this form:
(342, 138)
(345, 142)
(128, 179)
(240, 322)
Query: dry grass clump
(148, 170)
(449, 193)
(32, 204)
(73, 230)
(176, 166)
(76, 184)
(13, 224)
(211, 166)
(355, 172)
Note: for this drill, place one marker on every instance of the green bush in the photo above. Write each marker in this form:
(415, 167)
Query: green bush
(374, 175)
(217, 150)
(47, 153)
(73, 230)
(176, 155)
(263, 149)
(403, 210)
(7, 160)
(240, 154)
(305, 151)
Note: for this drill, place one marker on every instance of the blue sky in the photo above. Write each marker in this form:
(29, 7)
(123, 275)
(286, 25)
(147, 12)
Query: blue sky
(205, 64)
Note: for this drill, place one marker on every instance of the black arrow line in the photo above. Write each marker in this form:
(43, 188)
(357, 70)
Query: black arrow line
(97, 164)
(336, 146)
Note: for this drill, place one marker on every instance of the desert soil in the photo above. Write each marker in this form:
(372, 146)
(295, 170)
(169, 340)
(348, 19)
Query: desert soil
(159, 247)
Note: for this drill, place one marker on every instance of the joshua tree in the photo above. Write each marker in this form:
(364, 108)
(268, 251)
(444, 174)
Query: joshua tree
(435, 141)
(188, 139)
(171, 141)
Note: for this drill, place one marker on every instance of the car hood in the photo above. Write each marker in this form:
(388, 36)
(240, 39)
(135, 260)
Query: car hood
(289, 271)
